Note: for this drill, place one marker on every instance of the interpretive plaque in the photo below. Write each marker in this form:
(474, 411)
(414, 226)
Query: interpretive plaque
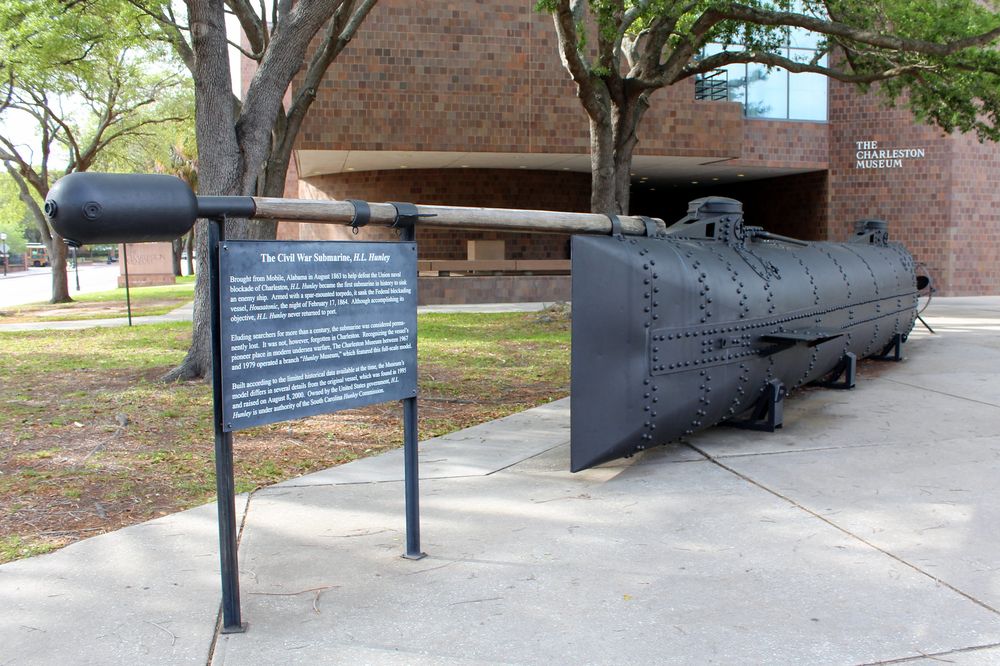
(315, 327)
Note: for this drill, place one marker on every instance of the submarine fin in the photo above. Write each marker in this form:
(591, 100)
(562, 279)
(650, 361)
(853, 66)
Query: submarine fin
(807, 338)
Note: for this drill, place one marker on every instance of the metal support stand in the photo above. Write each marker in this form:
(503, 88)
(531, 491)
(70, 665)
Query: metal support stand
(225, 482)
(128, 296)
(768, 414)
(76, 267)
(843, 376)
(411, 480)
(926, 325)
(411, 471)
(893, 351)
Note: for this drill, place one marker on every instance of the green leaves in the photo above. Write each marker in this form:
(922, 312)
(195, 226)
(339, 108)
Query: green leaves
(88, 73)
(56, 44)
(14, 217)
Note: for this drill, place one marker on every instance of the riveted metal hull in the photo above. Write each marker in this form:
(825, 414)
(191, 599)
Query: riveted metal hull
(677, 333)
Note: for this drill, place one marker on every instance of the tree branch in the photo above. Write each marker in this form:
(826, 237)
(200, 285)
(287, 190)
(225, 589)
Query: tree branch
(738, 12)
(250, 55)
(684, 51)
(163, 20)
(251, 24)
(732, 57)
(647, 61)
(133, 130)
(41, 101)
(565, 20)
(25, 196)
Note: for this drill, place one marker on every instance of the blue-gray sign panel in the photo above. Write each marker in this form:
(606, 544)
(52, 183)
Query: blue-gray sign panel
(315, 327)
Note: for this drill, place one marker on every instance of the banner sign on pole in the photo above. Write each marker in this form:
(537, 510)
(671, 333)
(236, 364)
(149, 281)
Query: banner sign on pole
(315, 327)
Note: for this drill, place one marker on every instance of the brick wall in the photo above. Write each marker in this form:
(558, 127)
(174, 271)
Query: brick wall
(974, 233)
(483, 75)
(916, 197)
(784, 144)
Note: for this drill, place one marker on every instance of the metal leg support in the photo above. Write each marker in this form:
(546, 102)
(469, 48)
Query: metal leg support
(225, 483)
(768, 414)
(893, 351)
(844, 375)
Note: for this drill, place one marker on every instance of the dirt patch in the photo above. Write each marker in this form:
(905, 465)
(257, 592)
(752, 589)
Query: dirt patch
(96, 451)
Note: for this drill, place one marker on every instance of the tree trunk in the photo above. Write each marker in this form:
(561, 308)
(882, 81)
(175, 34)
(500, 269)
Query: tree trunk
(221, 164)
(54, 243)
(252, 155)
(603, 197)
(198, 362)
(176, 247)
(60, 282)
(612, 144)
(189, 243)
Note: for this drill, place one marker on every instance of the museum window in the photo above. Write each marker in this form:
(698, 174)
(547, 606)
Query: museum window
(775, 92)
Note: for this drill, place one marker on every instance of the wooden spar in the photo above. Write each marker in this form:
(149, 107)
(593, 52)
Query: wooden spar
(491, 219)
(114, 208)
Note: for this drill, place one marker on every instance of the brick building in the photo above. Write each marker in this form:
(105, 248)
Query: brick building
(466, 103)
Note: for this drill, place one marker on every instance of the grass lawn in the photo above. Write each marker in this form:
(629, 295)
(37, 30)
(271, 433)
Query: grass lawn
(105, 304)
(91, 440)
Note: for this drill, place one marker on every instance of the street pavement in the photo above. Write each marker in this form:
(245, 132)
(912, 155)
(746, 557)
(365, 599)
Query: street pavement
(35, 284)
(864, 531)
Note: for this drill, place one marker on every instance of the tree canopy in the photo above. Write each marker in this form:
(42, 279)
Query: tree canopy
(76, 78)
(938, 56)
(14, 217)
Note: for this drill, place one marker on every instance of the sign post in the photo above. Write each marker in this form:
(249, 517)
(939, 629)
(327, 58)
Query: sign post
(306, 328)
(225, 482)
(411, 475)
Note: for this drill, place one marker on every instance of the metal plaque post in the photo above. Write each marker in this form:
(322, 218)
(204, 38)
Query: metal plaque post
(225, 483)
(411, 471)
(128, 295)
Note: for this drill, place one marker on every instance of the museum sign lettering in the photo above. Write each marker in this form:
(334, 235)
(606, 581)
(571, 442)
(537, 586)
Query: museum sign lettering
(868, 155)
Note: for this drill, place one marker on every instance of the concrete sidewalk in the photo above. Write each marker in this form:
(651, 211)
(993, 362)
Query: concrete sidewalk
(182, 313)
(864, 531)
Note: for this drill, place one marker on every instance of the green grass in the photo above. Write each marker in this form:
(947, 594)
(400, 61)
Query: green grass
(480, 347)
(14, 548)
(184, 289)
(30, 356)
(145, 301)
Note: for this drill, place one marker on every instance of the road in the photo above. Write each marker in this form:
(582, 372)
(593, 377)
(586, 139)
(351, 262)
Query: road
(35, 284)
